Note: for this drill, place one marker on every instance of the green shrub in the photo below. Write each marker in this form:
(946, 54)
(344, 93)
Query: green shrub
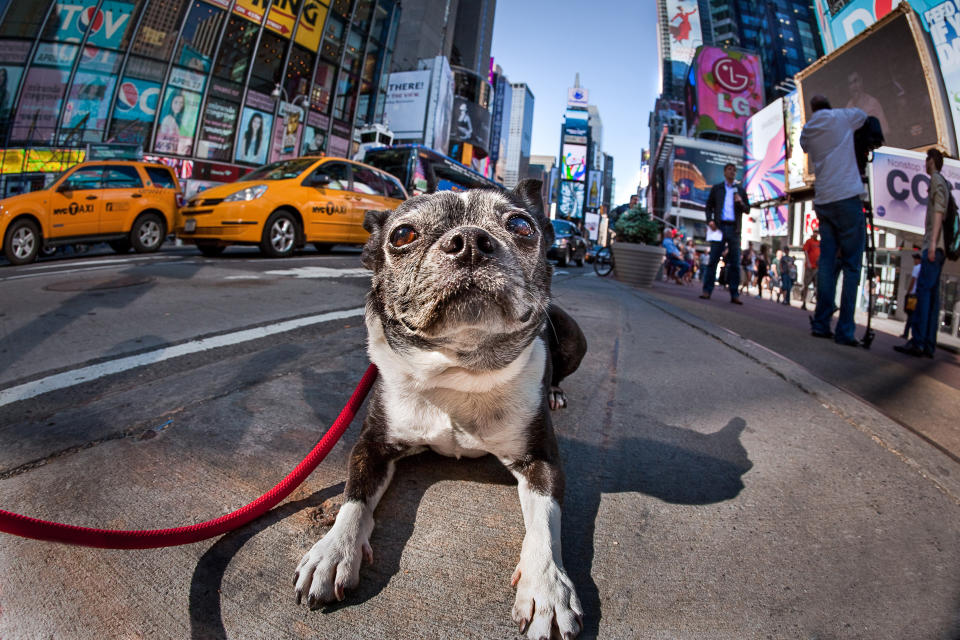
(638, 227)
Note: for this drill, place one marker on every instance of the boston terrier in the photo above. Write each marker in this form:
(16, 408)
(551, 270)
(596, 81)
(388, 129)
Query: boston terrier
(470, 352)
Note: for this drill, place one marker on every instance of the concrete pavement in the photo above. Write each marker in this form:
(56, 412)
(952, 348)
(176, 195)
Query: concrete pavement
(715, 489)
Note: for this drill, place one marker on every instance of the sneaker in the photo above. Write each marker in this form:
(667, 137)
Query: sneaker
(847, 342)
(705, 296)
(821, 334)
(735, 301)
(909, 349)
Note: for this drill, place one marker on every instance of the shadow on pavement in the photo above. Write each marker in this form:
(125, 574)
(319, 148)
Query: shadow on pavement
(206, 620)
(675, 465)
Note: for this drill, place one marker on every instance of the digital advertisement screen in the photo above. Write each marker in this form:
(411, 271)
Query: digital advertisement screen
(571, 200)
(573, 162)
(765, 154)
(696, 169)
(725, 89)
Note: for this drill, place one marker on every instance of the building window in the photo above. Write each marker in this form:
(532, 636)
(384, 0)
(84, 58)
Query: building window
(235, 50)
(268, 63)
(158, 30)
(201, 32)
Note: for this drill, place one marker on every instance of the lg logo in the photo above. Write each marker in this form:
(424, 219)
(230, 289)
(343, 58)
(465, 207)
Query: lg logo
(731, 75)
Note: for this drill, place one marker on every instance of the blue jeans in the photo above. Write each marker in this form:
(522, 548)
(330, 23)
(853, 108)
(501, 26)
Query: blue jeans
(842, 228)
(732, 241)
(680, 265)
(926, 317)
(786, 286)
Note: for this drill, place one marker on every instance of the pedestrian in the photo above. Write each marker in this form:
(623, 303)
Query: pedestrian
(726, 204)
(704, 261)
(675, 261)
(926, 317)
(748, 269)
(763, 264)
(690, 257)
(788, 274)
(811, 253)
(827, 138)
(910, 300)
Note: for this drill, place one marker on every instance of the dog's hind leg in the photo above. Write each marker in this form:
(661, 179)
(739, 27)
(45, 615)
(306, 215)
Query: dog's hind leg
(546, 599)
(333, 564)
(567, 346)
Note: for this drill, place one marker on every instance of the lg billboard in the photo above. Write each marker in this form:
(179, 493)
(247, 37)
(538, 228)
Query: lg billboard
(724, 88)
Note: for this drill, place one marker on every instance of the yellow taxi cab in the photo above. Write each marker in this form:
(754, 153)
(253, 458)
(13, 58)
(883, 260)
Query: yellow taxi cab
(121, 202)
(284, 205)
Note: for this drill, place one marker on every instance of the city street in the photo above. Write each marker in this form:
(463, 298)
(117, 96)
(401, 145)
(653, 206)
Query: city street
(728, 476)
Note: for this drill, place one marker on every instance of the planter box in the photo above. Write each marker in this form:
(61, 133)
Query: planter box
(637, 264)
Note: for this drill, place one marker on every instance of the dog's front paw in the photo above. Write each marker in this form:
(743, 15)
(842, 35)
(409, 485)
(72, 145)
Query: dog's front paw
(546, 602)
(557, 399)
(333, 564)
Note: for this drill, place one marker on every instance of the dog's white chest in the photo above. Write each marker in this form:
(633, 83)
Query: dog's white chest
(459, 413)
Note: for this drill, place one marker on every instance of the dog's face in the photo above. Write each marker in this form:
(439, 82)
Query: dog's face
(465, 272)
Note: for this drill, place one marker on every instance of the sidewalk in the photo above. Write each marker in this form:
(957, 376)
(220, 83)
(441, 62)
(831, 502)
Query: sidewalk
(919, 393)
(714, 490)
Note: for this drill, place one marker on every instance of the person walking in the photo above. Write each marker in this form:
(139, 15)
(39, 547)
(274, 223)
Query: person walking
(926, 317)
(811, 252)
(726, 204)
(788, 274)
(749, 266)
(827, 138)
(910, 300)
(763, 264)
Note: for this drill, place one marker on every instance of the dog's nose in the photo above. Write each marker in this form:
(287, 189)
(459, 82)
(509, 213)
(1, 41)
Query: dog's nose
(469, 245)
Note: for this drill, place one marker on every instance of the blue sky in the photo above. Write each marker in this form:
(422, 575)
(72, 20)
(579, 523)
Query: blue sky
(611, 43)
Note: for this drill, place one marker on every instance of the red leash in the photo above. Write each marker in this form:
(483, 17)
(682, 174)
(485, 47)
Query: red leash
(27, 527)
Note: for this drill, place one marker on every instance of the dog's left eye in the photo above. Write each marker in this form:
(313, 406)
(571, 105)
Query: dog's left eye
(520, 226)
(403, 235)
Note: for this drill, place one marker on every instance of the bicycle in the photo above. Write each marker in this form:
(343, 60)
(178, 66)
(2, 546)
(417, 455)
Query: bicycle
(603, 261)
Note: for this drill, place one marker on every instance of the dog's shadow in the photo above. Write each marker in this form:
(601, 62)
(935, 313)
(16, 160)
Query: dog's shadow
(676, 465)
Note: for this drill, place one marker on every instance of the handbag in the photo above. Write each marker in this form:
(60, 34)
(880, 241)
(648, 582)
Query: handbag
(910, 302)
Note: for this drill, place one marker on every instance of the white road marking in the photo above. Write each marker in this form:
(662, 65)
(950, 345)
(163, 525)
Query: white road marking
(320, 272)
(92, 372)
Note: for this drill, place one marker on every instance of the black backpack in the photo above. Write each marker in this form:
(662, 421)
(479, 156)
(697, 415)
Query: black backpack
(951, 229)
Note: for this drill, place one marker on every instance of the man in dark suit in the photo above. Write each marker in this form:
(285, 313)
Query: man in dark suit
(726, 203)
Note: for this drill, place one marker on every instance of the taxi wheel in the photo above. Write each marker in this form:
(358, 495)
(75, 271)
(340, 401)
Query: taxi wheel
(148, 233)
(279, 235)
(22, 242)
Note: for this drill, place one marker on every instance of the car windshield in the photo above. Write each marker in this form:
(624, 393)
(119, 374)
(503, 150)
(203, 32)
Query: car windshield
(283, 170)
(562, 228)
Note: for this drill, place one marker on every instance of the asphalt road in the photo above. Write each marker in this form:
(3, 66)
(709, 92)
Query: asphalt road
(714, 488)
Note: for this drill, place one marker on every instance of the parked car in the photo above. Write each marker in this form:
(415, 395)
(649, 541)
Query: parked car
(568, 245)
(124, 203)
(284, 205)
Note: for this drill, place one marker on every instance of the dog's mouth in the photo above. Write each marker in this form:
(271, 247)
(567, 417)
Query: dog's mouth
(468, 309)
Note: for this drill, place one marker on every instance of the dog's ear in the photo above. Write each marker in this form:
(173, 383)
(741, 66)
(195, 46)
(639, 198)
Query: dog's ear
(373, 222)
(529, 192)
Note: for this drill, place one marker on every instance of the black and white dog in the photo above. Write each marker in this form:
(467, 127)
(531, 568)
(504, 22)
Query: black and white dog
(470, 353)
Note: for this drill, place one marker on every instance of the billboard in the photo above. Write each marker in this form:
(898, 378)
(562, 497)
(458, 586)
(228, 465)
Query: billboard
(724, 88)
(594, 187)
(683, 23)
(899, 185)
(252, 143)
(578, 97)
(765, 154)
(697, 166)
(796, 158)
(888, 73)
(773, 221)
(406, 104)
(573, 162)
(471, 123)
(440, 106)
(571, 200)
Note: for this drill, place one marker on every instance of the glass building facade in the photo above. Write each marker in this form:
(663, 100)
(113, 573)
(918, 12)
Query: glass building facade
(210, 86)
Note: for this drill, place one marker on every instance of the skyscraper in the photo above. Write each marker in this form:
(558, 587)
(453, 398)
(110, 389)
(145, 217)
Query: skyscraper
(521, 130)
(783, 32)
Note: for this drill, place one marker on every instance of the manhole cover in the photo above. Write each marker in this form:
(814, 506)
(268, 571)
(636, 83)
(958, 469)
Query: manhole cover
(99, 285)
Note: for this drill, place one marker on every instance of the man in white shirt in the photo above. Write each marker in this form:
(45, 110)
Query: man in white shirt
(725, 204)
(828, 140)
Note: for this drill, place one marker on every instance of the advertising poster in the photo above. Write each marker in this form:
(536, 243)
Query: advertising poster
(683, 17)
(594, 186)
(576, 123)
(765, 154)
(728, 89)
(573, 162)
(178, 122)
(310, 29)
(216, 130)
(85, 115)
(406, 104)
(315, 133)
(571, 200)
(252, 141)
(882, 75)
(287, 131)
(899, 185)
(773, 221)
(796, 158)
(107, 26)
(592, 224)
(39, 106)
(437, 134)
(252, 10)
(471, 123)
(697, 166)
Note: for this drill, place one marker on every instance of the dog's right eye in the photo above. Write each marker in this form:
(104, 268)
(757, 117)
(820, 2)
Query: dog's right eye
(403, 235)
(520, 226)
